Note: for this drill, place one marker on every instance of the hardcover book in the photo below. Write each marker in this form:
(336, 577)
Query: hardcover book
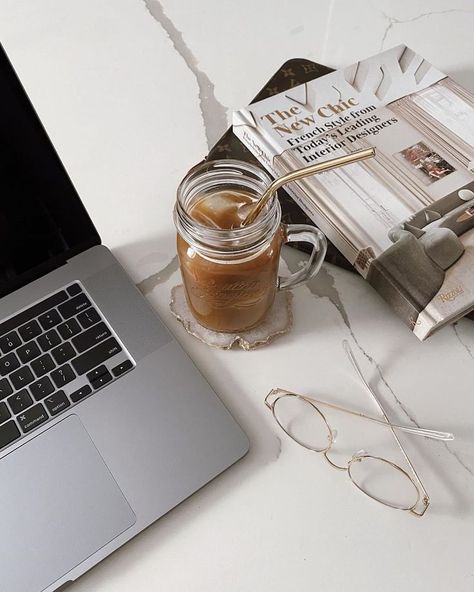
(404, 220)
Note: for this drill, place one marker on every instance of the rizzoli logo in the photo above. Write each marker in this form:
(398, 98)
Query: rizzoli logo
(452, 294)
(287, 121)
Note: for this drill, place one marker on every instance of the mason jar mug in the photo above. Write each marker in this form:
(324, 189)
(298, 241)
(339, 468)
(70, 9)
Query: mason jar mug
(230, 273)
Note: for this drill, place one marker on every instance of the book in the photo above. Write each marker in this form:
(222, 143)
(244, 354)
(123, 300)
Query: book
(404, 220)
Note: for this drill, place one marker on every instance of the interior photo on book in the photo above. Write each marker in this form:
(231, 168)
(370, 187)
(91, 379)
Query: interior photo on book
(425, 161)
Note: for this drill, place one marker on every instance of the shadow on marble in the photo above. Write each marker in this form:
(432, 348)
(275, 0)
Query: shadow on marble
(149, 262)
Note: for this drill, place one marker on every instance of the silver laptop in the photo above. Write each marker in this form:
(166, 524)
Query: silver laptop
(105, 423)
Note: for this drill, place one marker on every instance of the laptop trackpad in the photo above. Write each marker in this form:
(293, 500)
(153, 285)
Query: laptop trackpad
(59, 504)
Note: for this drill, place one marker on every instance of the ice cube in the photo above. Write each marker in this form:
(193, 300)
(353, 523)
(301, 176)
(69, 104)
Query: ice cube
(222, 210)
(220, 202)
(244, 210)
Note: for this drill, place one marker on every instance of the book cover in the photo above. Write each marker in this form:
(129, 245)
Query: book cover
(405, 219)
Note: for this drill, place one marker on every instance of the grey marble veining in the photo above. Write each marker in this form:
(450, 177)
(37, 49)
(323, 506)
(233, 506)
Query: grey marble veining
(392, 21)
(458, 332)
(214, 114)
(324, 286)
(148, 284)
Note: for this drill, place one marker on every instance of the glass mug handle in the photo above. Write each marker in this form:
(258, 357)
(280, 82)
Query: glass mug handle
(304, 233)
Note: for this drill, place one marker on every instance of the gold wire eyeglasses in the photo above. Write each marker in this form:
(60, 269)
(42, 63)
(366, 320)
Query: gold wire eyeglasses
(379, 478)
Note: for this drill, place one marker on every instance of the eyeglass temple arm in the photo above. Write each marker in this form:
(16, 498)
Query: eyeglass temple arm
(351, 357)
(415, 431)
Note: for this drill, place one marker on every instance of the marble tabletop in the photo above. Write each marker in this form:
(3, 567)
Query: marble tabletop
(132, 93)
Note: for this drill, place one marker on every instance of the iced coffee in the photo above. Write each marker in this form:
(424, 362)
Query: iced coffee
(232, 291)
(230, 269)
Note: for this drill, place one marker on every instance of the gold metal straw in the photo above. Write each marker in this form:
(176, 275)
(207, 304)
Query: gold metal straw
(306, 172)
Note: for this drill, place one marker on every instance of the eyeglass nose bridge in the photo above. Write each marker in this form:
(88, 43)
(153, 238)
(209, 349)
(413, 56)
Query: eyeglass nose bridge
(359, 455)
(332, 463)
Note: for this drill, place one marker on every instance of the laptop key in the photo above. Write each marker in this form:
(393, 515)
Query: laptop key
(49, 340)
(30, 330)
(63, 375)
(28, 352)
(96, 373)
(69, 328)
(72, 307)
(41, 388)
(49, 319)
(96, 355)
(74, 289)
(57, 402)
(80, 393)
(8, 363)
(88, 318)
(32, 418)
(4, 412)
(20, 401)
(8, 433)
(104, 379)
(63, 353)
(121, 368)
(9, 342)
(43, 365)
(5, 388)
(91, 337)
(21, 377)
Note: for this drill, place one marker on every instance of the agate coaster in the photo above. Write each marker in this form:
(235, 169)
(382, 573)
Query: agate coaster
(278, 321)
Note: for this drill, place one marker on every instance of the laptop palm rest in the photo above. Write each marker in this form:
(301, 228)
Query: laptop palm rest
(49, 490)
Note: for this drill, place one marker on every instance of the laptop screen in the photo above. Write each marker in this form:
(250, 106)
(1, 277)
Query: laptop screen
(42, 220)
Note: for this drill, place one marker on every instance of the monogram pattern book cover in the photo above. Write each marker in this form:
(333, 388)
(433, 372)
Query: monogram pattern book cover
(404, 220)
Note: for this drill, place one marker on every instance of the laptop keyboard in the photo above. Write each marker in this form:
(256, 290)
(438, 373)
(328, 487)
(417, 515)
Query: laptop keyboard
(54, 354)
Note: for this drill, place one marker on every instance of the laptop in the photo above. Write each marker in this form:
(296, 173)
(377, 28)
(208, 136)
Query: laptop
(105, 423)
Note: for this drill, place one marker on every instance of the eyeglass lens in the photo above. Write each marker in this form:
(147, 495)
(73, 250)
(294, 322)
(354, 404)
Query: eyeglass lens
(303, 422)
(384, 482)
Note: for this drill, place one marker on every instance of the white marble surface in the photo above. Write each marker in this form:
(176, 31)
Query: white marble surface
(281, 520)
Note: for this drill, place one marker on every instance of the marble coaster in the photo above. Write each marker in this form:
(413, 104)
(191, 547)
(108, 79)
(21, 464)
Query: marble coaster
(278, 321)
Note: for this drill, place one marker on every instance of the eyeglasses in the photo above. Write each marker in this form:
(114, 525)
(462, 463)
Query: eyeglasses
(379, 478)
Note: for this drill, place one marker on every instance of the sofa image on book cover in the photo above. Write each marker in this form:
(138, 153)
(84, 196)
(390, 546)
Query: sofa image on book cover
(427, 245)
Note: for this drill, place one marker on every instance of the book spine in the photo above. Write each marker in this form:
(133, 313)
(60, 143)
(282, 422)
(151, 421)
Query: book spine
(260, 146)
